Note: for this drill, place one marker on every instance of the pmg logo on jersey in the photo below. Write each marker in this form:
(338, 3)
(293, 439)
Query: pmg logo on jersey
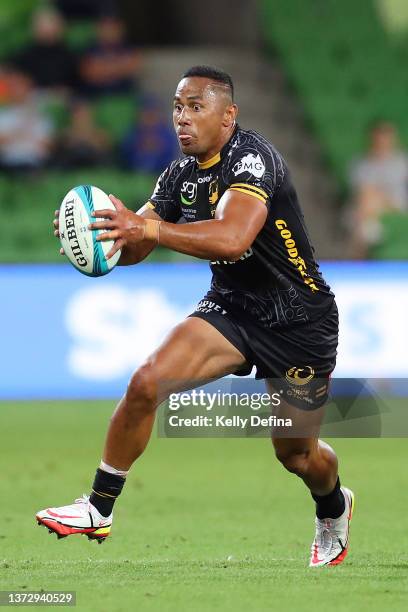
(188, 193)
(250, 163)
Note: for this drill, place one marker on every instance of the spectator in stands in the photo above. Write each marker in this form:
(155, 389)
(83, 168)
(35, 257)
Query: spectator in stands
(26, 133)
(4, 87)
(110, 65)
(149, 146)
(83, 143)
(379, 184)
(47, 59)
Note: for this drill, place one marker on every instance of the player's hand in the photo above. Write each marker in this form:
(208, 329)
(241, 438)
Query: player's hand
(121, 225)
(56, 229)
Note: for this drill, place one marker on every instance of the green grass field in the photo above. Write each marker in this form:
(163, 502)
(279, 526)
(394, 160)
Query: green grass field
(202, 524)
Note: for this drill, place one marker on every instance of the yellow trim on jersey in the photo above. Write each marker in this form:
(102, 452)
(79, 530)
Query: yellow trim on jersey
(255, 195)
(150, 205)
(252, 187)
(210, 162)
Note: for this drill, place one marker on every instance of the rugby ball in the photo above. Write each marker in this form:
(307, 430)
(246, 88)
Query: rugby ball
(79, 243)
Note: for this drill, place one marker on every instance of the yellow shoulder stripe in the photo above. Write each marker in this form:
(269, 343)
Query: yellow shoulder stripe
(251, 188)
(247, 192)
(150, 205)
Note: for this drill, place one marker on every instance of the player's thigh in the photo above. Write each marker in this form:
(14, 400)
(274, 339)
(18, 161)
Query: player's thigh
(297, 420)
(193, 352)
(300, 434)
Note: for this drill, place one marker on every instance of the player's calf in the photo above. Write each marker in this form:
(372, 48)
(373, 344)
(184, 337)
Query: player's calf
(294, 461)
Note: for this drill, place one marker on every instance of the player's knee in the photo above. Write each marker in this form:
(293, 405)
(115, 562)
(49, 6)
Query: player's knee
(295, 461)
(143, 387)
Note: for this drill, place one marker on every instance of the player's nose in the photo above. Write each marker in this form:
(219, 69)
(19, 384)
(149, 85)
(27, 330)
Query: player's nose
(184, 117)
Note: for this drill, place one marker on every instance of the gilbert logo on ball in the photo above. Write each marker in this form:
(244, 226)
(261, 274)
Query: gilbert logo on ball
(79, 243)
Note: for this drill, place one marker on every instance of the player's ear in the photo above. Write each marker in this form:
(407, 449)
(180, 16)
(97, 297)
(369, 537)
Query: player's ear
(230, 115)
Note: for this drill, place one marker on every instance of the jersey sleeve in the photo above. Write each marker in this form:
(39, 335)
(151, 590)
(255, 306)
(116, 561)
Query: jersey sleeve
(256, 170)
(163, 200)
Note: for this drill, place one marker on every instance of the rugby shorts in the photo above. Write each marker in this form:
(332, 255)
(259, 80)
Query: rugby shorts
(298, 360)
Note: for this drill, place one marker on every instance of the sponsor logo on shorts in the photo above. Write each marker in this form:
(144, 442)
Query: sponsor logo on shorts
(207, 306)
(300, 376)
(305, 390)
(250, 163)
(299, 391)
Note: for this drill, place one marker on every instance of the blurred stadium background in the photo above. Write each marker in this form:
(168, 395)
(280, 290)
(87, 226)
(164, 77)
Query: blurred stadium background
(85, 92)
(85, 97)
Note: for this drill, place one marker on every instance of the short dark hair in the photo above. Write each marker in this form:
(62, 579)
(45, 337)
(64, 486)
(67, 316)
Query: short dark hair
(210, 72)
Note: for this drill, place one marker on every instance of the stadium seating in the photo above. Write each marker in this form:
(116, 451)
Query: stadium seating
(27, 205)
(323, 47)
(15, 20)
(342, 85)
(347, 71)
(27, 208)
(116, 114)
(15, 28)
(394, 243)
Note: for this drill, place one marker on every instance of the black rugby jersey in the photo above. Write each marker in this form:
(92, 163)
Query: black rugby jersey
(277, 280)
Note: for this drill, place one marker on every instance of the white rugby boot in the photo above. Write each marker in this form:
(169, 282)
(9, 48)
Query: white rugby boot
(331, 542)
(79, 517)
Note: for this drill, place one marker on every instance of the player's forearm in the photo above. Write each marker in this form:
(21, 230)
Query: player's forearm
(136, 253)
(213, 239)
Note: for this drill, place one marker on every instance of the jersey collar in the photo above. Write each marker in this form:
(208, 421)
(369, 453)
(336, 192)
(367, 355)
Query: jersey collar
(217, 157)
(210, 162)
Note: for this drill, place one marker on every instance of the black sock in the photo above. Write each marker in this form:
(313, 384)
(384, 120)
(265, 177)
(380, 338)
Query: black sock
(331, 505)
(105, 489)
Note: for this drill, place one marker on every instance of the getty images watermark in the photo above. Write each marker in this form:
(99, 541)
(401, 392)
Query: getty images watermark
(245, 407)
(220, 401)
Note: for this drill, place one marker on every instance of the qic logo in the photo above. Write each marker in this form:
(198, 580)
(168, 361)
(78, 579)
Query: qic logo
(250, 163)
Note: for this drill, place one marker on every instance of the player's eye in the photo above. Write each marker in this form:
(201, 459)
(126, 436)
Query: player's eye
(197, 107)
(178, 108)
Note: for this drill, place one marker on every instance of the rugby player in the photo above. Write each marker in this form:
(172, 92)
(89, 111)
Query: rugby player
(268, 305)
